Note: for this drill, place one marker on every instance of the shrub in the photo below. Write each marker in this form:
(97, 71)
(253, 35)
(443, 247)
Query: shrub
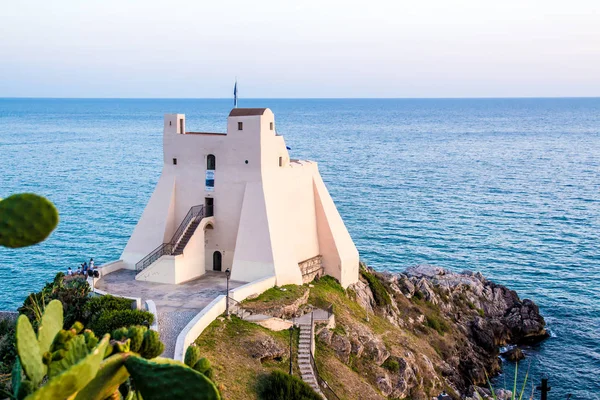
(281, 386)
(417, 295)
(73, 294)
(391, 364)
(437, 323)
(108, 321)
(8, 351)
(98, 305)
(382, 297)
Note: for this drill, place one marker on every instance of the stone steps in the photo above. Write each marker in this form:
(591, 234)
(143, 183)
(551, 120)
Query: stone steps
(304, 350)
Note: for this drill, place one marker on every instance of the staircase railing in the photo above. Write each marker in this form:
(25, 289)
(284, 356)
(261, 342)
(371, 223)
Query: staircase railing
(323, 385)
(167, 248)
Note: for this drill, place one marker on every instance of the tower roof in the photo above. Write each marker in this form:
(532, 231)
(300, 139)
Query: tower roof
(245, 112)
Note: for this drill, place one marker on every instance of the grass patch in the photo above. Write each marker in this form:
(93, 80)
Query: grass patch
(380, 293)
(391, 364)
(235, 371)
(275, 299)
(434, 321)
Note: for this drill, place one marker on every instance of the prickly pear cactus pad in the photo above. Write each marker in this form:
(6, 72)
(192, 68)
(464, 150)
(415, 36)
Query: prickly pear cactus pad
(26, 219)
(166, 379)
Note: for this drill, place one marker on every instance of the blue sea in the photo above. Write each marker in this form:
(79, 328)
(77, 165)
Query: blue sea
(508, 187)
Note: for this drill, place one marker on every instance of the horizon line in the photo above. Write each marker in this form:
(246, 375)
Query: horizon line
(301, 98)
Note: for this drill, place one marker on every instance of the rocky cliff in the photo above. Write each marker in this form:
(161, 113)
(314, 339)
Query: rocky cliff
(462, 317)
(396, 336)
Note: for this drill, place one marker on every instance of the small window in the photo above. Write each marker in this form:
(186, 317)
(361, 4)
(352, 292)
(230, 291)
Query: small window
(174, 161)
(240, 126)
(170, 123)
(211, 162)
(281, 161)
(271, 125)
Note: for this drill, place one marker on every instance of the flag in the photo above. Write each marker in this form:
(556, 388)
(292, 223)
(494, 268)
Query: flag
(235, 94)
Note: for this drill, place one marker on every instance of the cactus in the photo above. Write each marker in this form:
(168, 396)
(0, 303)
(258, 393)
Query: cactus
(73, 364)
(29, 351)
(51, 324)
(119, 334)
(26, 219)
(192, 355)
(25, 389)
(74, 378)
(151, 345)
(151, 377)
(202, 365)
(110, 376)
(136, 334)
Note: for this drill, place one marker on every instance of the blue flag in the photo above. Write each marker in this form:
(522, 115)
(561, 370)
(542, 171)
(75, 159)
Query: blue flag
(235, 94)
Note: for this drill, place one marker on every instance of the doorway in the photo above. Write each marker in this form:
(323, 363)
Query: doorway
(217, 261)
(208, 207)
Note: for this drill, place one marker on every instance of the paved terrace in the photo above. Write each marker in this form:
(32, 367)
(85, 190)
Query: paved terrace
(176, 304)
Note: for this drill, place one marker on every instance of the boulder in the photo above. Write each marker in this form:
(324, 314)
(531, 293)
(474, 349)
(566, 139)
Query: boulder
(515, 354)
(265, 348)
(384, 385)
(341, 345)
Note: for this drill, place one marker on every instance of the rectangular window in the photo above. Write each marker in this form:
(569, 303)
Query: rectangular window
(174, 161)
(181, 126)
(240, 126)
(281, 161)
(271, 125)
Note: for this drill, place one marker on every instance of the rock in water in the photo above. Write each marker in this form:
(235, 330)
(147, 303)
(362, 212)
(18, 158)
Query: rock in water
(514, 354)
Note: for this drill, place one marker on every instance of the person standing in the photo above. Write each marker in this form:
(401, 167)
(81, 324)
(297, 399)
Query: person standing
(91, 264)
(85, 268)
(69, 271)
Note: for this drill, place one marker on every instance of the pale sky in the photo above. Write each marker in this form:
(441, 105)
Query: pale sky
(303, 48)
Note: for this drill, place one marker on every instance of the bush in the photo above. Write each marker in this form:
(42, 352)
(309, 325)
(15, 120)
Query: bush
(100, 304)
(382, 297)
(8, 351)
(391, 364)
(437, 323)
(281, 386)
(108, 321)
(73, 294)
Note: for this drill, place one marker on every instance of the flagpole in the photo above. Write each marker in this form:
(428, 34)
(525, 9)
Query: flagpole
(235, 93)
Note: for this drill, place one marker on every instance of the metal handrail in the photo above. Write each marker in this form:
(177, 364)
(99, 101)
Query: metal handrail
(323, 385)
(194, 212)
(169, 247)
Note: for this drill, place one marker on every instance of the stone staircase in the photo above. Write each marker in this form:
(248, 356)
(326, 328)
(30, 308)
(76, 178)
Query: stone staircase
(185, 238)
(304, 355)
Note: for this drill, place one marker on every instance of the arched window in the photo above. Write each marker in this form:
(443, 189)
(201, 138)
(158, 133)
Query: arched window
(211, 162)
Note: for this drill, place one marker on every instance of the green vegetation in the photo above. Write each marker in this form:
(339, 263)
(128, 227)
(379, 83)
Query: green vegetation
(73, 294)
(26, 219)
(381, 295)
(275, 299)
(391, 364)
(281, 386)
(107, 321)
(102, 314)
(200, 364)
(231, 346)
(514, 389)
(434, 321)
(55, 363)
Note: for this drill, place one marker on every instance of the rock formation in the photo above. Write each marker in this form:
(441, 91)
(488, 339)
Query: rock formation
(473, 318)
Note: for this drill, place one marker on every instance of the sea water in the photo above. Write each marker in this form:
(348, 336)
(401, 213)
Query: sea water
(508, 187)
